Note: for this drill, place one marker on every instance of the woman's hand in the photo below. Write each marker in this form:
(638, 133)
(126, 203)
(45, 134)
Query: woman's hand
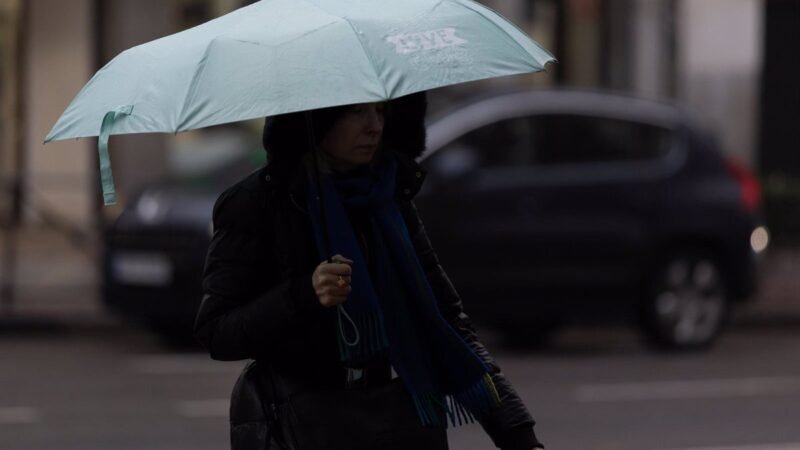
(332, 281)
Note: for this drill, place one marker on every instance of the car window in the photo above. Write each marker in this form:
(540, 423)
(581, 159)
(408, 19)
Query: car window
(499, 144)
(551, 139)
(574, 139)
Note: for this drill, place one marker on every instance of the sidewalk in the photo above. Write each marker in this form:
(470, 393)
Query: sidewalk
(777, 299)
(57, 285)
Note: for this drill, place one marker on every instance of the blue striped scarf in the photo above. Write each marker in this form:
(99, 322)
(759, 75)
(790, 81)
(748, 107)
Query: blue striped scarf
(394, 307)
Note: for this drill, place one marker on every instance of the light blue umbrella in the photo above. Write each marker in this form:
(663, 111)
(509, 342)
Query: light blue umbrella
(280, 56)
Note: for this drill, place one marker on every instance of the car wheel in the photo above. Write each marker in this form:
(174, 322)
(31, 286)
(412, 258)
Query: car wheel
(686, 304)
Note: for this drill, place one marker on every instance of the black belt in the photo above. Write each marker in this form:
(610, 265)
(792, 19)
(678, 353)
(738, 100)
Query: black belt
(377, 374)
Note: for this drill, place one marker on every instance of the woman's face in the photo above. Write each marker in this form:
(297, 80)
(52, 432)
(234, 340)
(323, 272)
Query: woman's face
(354, 137)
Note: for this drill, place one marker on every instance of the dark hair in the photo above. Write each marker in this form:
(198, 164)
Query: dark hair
(285, 136)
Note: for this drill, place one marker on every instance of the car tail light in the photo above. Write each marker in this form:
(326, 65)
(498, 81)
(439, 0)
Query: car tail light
(749, 187)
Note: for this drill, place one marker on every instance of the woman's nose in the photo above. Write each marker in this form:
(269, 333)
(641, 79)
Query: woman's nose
(375, 120)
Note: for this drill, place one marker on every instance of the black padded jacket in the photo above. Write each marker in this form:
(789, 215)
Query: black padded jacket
(259, 301)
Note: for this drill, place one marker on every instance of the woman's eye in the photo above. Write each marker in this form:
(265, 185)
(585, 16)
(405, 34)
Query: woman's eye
(367, 109)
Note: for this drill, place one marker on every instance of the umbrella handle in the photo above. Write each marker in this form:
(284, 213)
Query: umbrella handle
(106, 177)
(326, 238)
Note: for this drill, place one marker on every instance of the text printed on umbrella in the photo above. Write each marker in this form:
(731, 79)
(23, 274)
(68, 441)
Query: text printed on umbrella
(425, 40)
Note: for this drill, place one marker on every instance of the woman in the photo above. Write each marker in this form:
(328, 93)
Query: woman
(354, 296)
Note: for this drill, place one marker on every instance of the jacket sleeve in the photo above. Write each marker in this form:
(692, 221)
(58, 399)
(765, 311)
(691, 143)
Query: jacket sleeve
(510, 426)
(246, 306)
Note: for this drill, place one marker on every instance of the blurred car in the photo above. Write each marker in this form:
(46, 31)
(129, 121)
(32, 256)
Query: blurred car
(155, 250)
(551, 207)
(545, 207)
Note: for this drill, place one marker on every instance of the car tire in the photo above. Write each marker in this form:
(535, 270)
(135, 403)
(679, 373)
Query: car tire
(686, 303)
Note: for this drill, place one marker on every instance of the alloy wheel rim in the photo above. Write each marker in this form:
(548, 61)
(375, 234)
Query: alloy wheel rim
(691, 300)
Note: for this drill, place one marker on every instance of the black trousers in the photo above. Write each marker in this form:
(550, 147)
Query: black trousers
(362, 418)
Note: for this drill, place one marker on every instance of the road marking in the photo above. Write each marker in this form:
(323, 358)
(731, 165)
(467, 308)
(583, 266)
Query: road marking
(181, 364)
(18, 415)
(667, 390)
(790, 446)
(204, 408)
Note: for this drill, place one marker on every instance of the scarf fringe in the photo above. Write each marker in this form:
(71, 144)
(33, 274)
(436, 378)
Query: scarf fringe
(463, 408)
(372, 338)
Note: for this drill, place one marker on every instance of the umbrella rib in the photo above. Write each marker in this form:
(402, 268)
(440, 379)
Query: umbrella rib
(477, 10)
(192, 90)
(367, 55)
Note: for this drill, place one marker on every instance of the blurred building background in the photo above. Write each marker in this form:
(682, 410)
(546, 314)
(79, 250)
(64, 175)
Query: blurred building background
(731, 62)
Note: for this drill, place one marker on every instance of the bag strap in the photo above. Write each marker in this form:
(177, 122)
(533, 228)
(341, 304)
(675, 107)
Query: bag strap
(271, 412)
(268, 403)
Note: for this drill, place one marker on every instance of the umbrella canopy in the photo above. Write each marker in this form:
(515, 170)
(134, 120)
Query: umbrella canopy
(280, 56)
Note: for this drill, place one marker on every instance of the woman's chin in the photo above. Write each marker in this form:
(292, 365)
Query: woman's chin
(367, 153)
(364, 157)
(356, 157)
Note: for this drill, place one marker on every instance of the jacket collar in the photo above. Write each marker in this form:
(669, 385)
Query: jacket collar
(410, 176)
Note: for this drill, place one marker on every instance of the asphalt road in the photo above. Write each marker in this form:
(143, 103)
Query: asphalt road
(118, 389)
